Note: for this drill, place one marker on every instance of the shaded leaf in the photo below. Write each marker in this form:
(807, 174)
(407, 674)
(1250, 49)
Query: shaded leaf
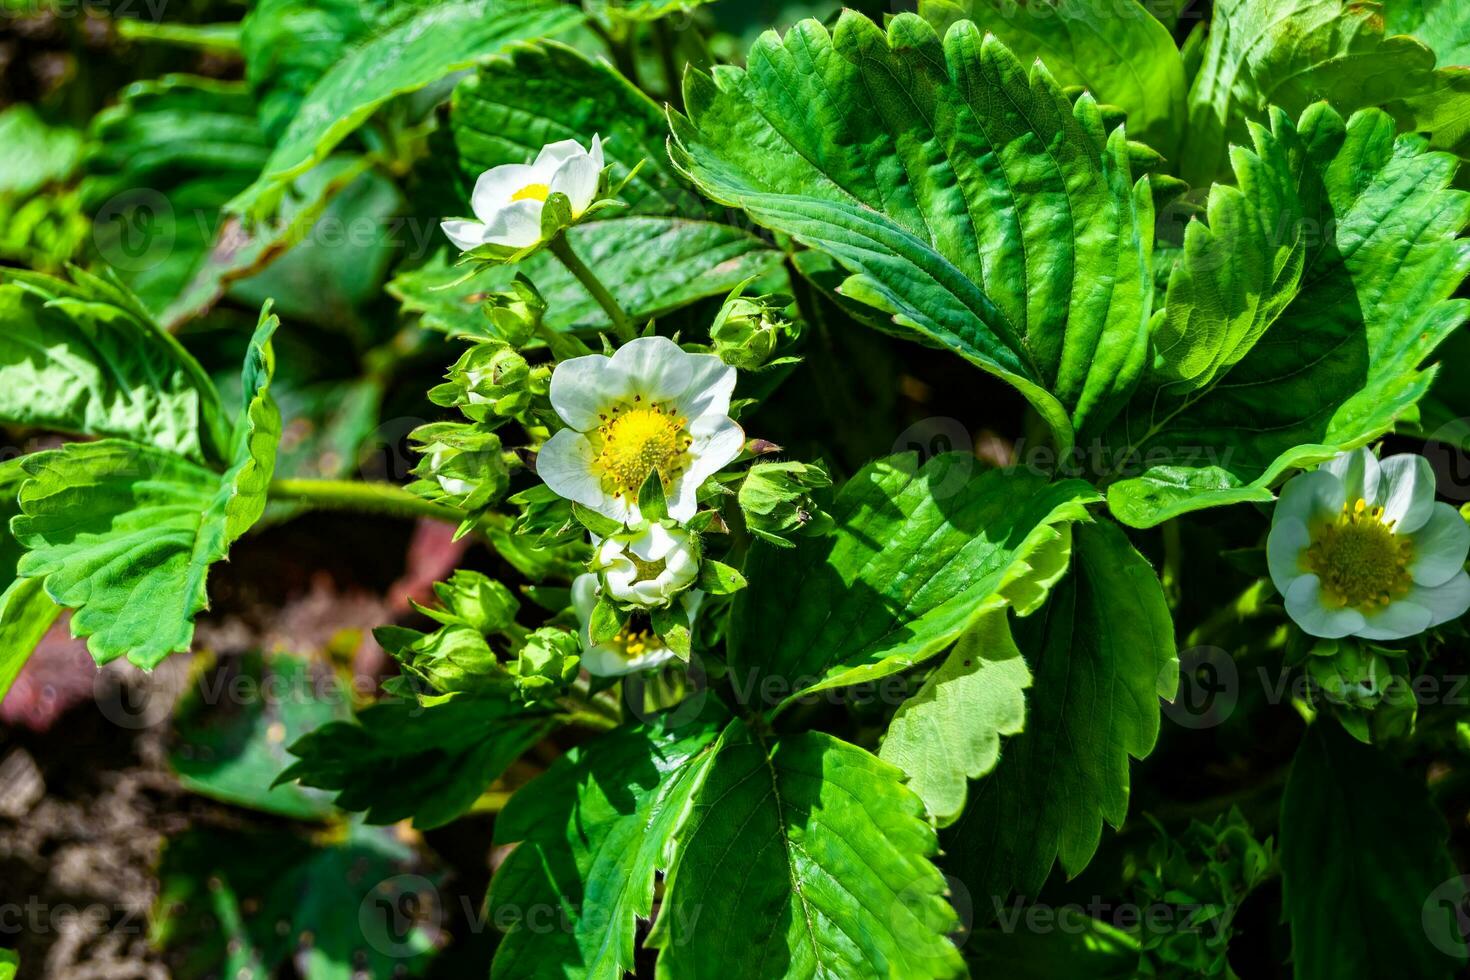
(36, 154)
(1103, 653)
(1399, 886)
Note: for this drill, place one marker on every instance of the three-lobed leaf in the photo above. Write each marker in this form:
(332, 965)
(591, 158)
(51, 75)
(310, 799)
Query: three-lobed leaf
(125, 533)
(967, 197)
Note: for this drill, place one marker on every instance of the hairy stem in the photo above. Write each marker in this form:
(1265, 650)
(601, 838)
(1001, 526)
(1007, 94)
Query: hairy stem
(365, 498)
(622, 324)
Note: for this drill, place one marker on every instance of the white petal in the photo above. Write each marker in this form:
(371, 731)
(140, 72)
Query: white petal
(621, 579)
(459, 488)
(1359, 472)
(1395, 621)
(1310, 498)
(1406, 491)
(565, 465)
(1440, 546)
(654, 543)
(464, 234)
(1304, 605)
(596, 154)
(577, 178)
(1444, 602)
(584, 600)
(517, 225)
(579, 390)
(691, 601)
(650, 593)
(497, 186)
(681, 573)
(553, 155)
(710, 388)
(654, 367)
(1284, 547)
(717, 441)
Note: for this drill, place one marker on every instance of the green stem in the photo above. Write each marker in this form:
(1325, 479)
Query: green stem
(668, 62)
(622, 324)
(366, 498)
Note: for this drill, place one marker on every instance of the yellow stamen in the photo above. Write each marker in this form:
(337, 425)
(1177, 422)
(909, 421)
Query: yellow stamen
(638, 441)
(1361, 562)
(532, 192)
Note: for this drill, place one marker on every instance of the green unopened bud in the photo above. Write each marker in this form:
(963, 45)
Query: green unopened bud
(489, 381)
(1349, 673)
(777, 500)
(749, 330)
(462, 464)
(475, 600)
(453, 660)
(548, 662)
(516, 313)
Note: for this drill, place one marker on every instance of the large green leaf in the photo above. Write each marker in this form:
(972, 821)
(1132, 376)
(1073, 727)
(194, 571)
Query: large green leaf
(593, 832)
(917, 555)
(402, 760)
(125, 533)
(970, 199)
(1444, 25)
(160, 164)
(1368, 884)
(231, 748)
(1103, 654)
(1290, 53)
(804, 857)
(432, 41)
(1267, 369)
(83, 359)
(1443, 111)
(1124, 57)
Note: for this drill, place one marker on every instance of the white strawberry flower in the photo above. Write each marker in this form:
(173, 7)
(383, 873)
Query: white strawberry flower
(508, 200)
(1360, 548)
(649, 408)
(636, 648)
(647, 567)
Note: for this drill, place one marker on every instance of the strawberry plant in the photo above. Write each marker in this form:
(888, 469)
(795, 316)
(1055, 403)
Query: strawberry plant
(963, 490)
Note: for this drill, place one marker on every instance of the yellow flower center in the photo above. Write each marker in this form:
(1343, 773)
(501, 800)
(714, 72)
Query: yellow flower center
(640, 440)
(532, 192)
(1361, 561)
(634, 643)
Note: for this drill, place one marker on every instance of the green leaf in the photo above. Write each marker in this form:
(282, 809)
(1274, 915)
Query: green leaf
(950, 730)
(125, 533)
(969, 199)
(1282, 370)
(643, 11)
(1124, 57)
(917, 555)
(232, 728)
(250, 904)
(83, 359)
(428, 762)
(1288, 54)
(651, 500)
(411, 52)
(593, 832)
(26, 612)
(36, 154)
(159, 166)
(1400, 889)
(1103, 653)
(1441, 24)
(1079, 947)
(717, 578)
(804, 857)
(9, 963)
(607, 621)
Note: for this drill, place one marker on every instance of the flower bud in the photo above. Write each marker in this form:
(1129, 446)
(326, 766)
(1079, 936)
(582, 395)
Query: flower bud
(475, 600)
(777, 500)
(516, 313)
(1349, 673)
(548, 662)
(748, 331)
(462, 464)
(648, 566)
(452, 660)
